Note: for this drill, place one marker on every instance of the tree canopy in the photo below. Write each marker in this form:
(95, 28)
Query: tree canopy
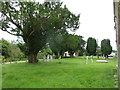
(10, 50)
(5, 48)
(91, 46)
(36, 23)
(106, 47)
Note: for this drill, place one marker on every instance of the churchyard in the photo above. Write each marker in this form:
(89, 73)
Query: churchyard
(71, 73)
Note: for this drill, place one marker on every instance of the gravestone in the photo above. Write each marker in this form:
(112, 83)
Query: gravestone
(102, 61)
(86, 59)
(91, 58)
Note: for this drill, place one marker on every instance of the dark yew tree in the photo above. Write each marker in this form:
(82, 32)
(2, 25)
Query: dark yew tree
(91, 46)
(106, 48)
(36, 23)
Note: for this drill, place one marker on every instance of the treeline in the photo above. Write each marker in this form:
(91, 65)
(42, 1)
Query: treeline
(56, 47)
(11, 51)
(73, 44)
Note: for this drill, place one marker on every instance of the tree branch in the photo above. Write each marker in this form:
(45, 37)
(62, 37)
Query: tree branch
(13, 22)
(10, 32)
(13, 34)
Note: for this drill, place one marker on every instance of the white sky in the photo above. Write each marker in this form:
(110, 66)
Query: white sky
(97, 19)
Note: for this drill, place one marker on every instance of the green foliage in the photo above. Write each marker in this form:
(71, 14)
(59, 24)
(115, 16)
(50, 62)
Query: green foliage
(57, 44)
(72, 43)
(37, 23)
(98, 51)
(4, 50)
(82, 51)
(44, 51)
(91, 46)
(106, 48)
(47, 51)
(15, 52)
(10, 51)
(67, 42)
(23, 47)
(81, 45)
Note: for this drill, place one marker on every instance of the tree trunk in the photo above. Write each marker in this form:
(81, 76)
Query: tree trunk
(71, 54)
(32, 58)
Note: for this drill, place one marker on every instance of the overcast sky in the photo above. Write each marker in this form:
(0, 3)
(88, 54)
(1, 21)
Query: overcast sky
(96, 19)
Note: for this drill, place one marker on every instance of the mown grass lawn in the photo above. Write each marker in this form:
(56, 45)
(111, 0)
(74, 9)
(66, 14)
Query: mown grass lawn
(71, 73)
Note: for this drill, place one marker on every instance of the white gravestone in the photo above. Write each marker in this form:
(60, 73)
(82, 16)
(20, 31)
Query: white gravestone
(91, 58)
(86, 59)
(47, 58)
(102, 61)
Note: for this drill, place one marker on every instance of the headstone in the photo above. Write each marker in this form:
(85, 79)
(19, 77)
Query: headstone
(47, 58)
(51, 57)
(86, 59)
(102, 61)
(91, 58)
(44, 58)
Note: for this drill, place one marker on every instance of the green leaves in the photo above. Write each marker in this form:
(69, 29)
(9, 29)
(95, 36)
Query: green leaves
(37, 23)
(106, 48)
(91, 46)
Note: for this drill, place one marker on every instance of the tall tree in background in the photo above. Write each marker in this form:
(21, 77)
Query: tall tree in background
(58, 44)
(81, 45)
(4, 50)
(74, 43)
(66, 42)
(15, 52)
(91, 46)
(10, 50)
(36, 23)
(106, 48)
(23, 47)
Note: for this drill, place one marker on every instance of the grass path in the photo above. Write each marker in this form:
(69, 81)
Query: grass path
(72, 73)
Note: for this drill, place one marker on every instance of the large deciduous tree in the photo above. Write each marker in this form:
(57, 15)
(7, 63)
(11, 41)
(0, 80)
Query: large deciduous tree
(67, 42)
(91, 46)
(74, 43)
(58, 44)
(106, 47)
(36, 23)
